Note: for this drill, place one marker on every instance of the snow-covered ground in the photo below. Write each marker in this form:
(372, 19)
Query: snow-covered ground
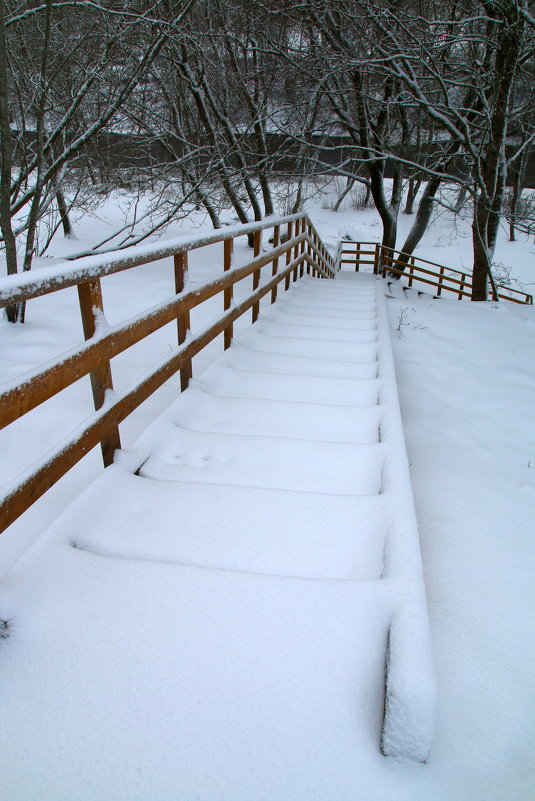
(466, 381)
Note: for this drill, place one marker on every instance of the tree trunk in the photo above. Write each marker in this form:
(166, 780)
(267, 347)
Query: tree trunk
(63, 213)
(484, 231)
(347, 189)
(461, 197)
(419, 227)
(519, 174)
(482, 258)
(212, 213)
(492, 166)
(6, 162)
(412, 191)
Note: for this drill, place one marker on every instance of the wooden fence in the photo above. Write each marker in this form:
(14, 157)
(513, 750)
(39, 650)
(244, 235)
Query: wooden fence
(296, 247)
(443, 279)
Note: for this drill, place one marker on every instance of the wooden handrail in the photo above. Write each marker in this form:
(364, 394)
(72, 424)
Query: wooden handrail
(24, 286)
(302, 249)
(424, 261)
(410, 267)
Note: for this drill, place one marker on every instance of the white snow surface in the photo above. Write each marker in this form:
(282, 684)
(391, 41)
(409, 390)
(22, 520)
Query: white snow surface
(466, 380)
(342, 558)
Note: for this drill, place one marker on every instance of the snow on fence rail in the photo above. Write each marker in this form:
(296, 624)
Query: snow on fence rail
(384, 260)
(301, 248)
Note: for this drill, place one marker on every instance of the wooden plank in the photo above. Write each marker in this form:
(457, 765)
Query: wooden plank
(85, 269)
(528, 299)
(440, 281)
(32, 392)
(183, 319)
(275, 267)
(424, 261)
(418, 269)
(288, 255)
(303, 247)
(308, 229)
(256, 275)
(376, 260)
(228, 250)
(296, 249)
(91, 305)
(323, 269)
(431, 283)
(47, 473)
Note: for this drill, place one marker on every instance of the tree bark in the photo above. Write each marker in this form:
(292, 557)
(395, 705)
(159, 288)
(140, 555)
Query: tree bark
(63, 213)
(412, 191)
(421, 223)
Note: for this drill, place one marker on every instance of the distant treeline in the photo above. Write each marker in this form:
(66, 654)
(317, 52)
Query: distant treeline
(126, 151)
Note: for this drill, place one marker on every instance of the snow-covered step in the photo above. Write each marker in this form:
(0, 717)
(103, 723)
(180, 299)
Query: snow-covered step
(337, 298)
(316, 535)
(132, 678)
(244, 359)
(331, 306)
(250, 570)
(314, 332)
(325, 323)
(269, 462)
(322, 314)
(316, 349)
(203, 411)
(343, 285)
(394, 289)
(223, 380)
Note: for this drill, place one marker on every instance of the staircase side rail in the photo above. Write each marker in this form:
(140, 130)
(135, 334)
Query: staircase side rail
(360, 249)
(414, 272)
(446, 278)
(24, 286)
(515, 295)
(302, 250)
(407, 261)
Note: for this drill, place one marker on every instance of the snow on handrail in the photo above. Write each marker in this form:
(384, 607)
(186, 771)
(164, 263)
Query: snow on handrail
(23, 286)
(302, 249)
(411, 268)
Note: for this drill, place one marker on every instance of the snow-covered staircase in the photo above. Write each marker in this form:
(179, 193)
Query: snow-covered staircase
(222, 605)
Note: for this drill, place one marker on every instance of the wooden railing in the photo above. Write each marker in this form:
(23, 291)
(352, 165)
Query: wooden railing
(296, 248)
(443, 279)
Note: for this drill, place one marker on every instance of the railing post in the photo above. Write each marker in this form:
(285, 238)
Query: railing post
(376, 260)
(182, 321)
(461, 288)
(308, 228)
(357, 258)
(256, 274)
(90, 297)
(303, 246)
(382, 259)
(228, 248)
(288, 256)
(440, 281)
(274, 269)
(296, 249)
(412, 264)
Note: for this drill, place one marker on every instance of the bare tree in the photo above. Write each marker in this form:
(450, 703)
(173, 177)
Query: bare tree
(58, 91)
(459, 64)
